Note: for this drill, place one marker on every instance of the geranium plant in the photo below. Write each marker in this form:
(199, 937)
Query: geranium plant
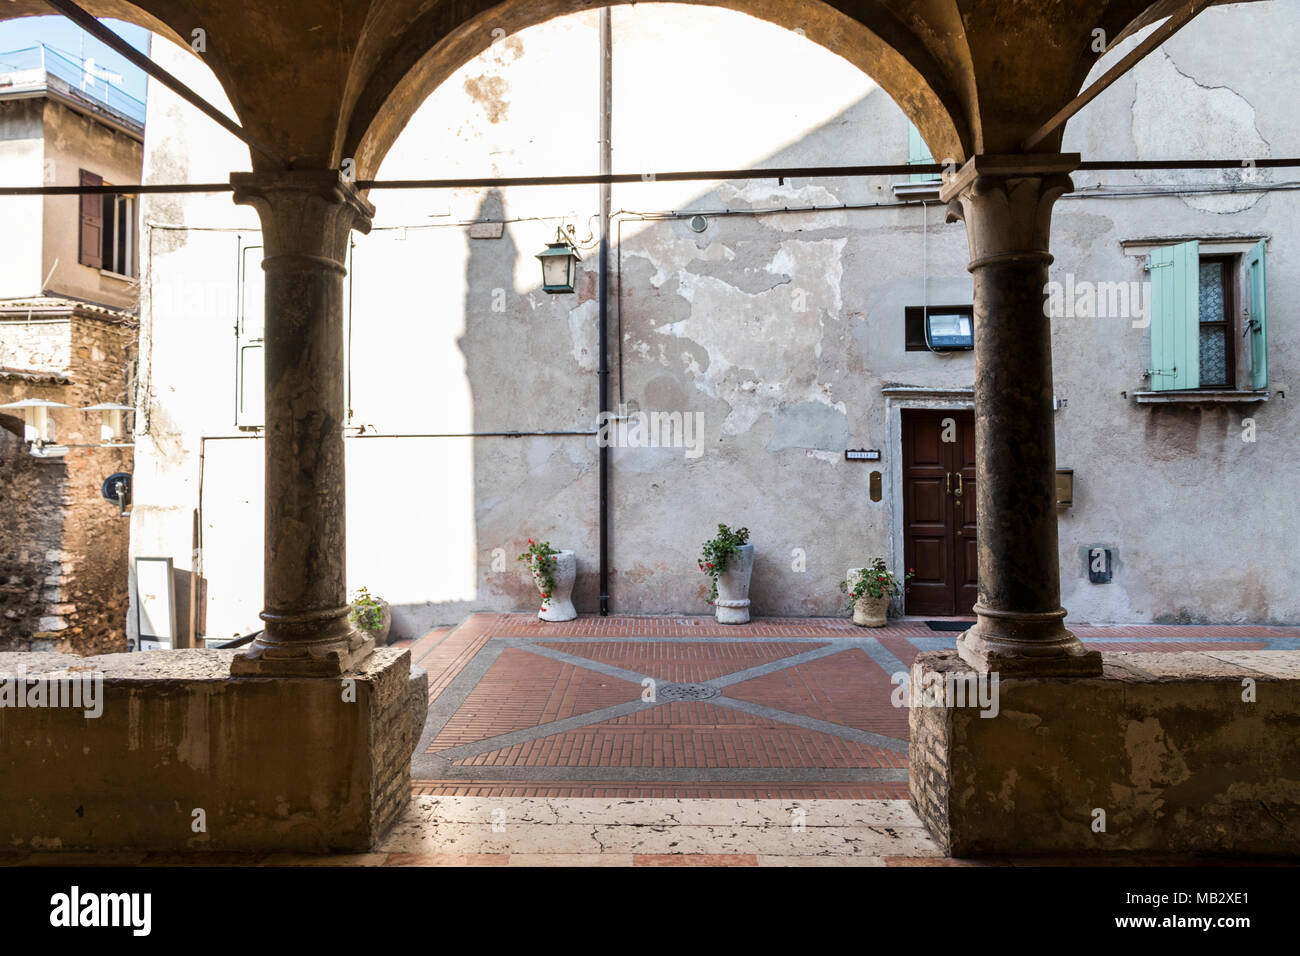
(367, 613)
(541, 561)
(874, 581)
(717, 554)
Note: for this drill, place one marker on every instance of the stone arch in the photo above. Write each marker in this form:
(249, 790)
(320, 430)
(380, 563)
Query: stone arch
(899, 64)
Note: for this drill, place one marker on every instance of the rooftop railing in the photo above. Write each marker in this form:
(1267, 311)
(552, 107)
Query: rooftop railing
(44, 67)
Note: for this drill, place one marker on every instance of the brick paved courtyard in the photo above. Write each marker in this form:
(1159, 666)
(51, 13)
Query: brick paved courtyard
(775, 709)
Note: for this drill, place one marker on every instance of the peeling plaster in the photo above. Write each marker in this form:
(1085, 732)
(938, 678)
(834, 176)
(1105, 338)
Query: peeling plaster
(584, 332)
(760, 334)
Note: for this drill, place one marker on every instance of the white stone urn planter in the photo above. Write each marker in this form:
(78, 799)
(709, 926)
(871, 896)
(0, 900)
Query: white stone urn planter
(732, 605)
(559, 606)
(869, 611)
(380, 633)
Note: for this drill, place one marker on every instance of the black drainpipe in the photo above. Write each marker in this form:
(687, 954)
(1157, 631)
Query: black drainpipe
(606, 88)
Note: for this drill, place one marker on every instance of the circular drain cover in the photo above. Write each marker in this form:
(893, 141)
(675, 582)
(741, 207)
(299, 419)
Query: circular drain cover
(685, 692)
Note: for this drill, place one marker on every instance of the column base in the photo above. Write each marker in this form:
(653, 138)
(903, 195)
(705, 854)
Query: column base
(1024, 644)
(333, 657)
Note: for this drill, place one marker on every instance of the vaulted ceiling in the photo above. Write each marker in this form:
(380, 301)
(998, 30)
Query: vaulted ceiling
(324, 80)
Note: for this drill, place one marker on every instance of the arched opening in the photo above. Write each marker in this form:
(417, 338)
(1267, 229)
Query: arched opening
(908, 72)
(435, 523)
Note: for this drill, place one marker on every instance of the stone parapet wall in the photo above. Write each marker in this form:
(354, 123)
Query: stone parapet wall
(296, 764)
(1176, 753)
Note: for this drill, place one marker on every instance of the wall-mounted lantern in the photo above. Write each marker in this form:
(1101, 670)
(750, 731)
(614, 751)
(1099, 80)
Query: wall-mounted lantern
(110, 421)
(1064, 487)
(559, 264)
(38, 429)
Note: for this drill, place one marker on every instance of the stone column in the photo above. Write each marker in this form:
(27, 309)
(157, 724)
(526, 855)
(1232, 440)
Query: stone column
(307, 217)
(1006, 203)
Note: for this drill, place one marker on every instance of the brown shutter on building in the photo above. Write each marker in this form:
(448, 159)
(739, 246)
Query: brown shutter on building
(92, 224)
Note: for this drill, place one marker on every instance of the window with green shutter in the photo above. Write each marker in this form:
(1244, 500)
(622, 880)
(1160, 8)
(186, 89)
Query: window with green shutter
(1197, 340)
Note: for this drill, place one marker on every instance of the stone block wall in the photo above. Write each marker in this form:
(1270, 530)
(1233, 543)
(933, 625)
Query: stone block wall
(36, 343)
(184, 757)
(1194, 753)
(63, 560)
(31, 534)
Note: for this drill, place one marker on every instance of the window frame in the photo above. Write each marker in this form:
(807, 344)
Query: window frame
(122, 218)
(1242, 249)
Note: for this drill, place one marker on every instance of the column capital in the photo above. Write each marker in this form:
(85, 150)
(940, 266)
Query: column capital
(1006, 203)
(306, 214)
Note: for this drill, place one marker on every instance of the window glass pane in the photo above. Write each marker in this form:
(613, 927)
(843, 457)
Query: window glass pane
(1214, 357)
(1213, 339)
(123, 223)
(108, 231)
(1211, 291)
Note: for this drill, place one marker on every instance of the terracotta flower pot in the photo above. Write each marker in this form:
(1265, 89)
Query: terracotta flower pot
(559, 606)
(732, 605)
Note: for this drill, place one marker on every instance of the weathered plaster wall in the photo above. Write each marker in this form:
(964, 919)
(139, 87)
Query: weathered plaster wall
(1199, 518)
(779, 328)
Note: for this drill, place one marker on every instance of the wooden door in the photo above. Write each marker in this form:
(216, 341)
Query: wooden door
(939, 511)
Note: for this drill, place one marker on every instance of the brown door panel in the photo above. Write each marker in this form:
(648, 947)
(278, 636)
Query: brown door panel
(929, 503)
(929, 560)
(925, 449)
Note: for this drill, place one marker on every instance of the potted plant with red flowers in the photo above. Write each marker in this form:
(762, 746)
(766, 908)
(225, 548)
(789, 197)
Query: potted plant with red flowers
(554, 573)
(728, 560)
(870, 590)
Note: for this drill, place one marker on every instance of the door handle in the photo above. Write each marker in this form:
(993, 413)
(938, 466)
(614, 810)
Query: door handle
(957, 493)
(947, 482)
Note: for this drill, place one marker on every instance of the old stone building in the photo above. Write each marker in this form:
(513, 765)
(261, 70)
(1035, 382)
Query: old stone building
(68, 337)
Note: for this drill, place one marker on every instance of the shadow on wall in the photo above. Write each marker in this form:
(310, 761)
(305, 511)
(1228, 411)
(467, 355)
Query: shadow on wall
(532, 366)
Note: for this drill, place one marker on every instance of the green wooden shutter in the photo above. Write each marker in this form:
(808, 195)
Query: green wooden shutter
(918, 152)
(1257, 332)
(1175, 316)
